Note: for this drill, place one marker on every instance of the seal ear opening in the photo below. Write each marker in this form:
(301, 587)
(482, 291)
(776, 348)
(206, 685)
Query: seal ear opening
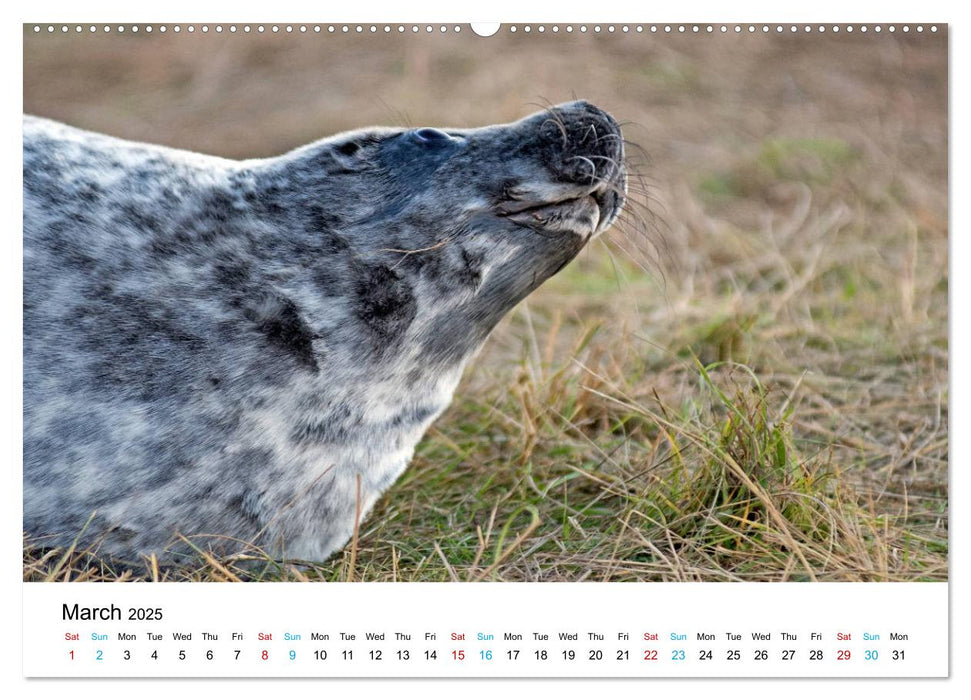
(349, 148)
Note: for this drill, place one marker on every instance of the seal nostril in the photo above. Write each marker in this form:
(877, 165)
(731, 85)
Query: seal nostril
(432, 136)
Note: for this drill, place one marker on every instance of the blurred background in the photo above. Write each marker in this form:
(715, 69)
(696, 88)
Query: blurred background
(790, 221)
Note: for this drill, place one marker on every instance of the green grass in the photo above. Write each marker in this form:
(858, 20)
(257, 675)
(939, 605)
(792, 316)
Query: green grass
(779, 160)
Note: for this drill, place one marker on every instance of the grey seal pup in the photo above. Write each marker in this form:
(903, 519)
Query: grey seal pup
(249, 351)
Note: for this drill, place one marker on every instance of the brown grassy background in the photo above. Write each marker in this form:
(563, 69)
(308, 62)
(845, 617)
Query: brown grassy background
(799, 189)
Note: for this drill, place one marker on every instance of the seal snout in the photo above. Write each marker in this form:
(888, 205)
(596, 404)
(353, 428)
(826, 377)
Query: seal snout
(584, 187)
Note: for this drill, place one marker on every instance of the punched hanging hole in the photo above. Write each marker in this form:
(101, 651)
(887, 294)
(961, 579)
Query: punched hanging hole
(485, 28)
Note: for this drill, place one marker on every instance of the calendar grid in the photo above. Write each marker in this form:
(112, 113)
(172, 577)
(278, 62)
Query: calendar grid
(526, 630)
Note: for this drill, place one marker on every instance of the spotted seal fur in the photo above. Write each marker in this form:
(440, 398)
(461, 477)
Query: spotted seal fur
(250, 350)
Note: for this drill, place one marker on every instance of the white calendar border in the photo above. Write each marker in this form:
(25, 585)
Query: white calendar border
(509, 11)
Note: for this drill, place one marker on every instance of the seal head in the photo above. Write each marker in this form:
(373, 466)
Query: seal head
(477, 217)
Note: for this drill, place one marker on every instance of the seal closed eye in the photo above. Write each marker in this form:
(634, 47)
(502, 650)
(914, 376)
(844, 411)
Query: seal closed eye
(432, 136)
(250, 350)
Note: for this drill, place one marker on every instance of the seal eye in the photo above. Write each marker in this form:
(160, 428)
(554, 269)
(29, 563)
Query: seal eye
(432, 136)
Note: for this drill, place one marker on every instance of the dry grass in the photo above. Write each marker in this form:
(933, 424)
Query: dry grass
(756, 390)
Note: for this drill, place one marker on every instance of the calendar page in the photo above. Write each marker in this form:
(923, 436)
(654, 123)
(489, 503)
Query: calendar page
(513, 350)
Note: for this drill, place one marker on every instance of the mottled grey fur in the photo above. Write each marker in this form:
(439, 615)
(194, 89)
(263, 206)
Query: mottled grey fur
(252, 349)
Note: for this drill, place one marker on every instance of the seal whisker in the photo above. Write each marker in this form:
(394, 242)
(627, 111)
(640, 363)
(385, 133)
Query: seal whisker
(554, 115)
(591, 129)
(593, 167)
(559, 124)
(399, 115)
(635, 226)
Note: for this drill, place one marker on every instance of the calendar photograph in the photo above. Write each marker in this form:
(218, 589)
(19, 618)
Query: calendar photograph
(435, 303)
